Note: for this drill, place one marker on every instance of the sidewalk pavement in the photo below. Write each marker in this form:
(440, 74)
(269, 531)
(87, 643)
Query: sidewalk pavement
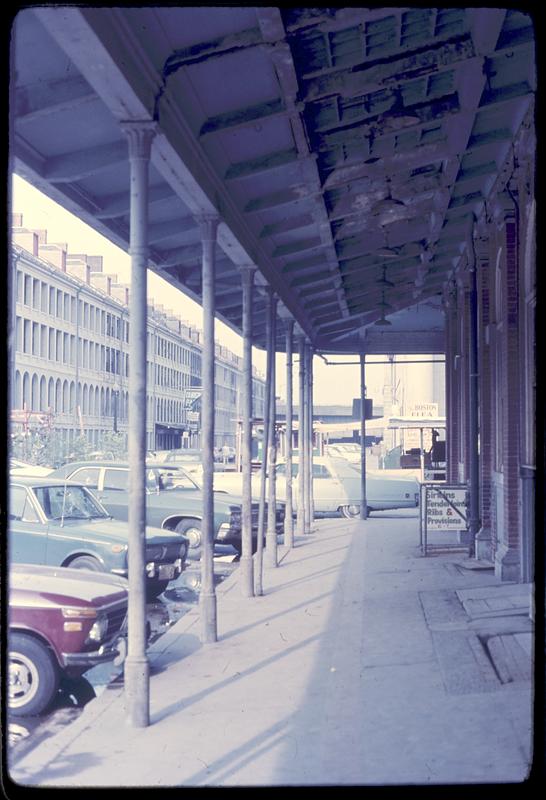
(363, 663)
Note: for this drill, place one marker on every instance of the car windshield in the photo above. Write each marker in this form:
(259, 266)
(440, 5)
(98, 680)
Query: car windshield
(68, 502)
(171, 479)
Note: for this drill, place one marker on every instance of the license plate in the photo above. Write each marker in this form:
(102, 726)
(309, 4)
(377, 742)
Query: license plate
(166, 571)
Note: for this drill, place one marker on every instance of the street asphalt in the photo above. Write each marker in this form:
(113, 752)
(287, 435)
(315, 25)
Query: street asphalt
(363, 663)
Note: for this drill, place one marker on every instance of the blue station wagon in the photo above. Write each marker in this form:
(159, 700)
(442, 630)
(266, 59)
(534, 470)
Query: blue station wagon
(62, 523)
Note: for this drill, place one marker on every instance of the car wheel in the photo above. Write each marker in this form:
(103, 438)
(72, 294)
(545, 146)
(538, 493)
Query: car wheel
(86, 562)
(33, 676)
(192, 531)
(154, 588)
(350, 512)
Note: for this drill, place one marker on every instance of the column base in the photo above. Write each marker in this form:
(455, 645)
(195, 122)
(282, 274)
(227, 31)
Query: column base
(484, 549)
(508, 564)
(246, 568)
(209, 630)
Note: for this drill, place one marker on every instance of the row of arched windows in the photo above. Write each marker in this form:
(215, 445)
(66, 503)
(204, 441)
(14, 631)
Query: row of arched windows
(38, 393)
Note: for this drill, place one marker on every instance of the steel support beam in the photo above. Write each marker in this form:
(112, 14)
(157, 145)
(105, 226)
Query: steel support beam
(288, 520)
(271, 532)
(247, 564)
(137, 671)
(207, 598)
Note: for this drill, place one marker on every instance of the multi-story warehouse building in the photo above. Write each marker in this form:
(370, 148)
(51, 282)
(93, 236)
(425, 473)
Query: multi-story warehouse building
(70, 359)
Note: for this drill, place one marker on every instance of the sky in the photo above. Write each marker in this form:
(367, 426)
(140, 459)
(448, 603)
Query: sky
(333, 385)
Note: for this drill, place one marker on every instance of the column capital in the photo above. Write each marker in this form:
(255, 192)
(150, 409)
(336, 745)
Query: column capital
(208, 226)
(247, 272)
(289, 323)
(140, 134)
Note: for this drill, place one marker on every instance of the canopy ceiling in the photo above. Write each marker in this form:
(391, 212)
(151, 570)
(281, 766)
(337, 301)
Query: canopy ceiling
(346, 149)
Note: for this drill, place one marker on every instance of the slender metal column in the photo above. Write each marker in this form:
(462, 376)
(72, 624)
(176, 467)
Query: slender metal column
(305, 440)
(473, 432)
(271, 534)
(301, 439)
(311, 512)
(247, 564)
(288, 520)
(207, 597)
(263, 471)
(137, 672)
(363, 498)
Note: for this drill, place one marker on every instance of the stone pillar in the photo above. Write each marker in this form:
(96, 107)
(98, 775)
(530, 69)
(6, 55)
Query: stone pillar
(483, 537)
(508, 556)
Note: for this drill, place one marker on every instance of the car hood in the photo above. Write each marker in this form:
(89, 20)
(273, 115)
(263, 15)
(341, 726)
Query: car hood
(38, 586)
(109, 529)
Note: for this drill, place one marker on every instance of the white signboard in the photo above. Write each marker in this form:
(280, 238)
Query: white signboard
(412, 437)
(445, 509)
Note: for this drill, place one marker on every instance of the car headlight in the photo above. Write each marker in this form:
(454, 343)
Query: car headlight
(98, 630)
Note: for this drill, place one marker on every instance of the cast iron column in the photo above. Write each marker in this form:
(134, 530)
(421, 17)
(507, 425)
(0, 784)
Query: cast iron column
(311, 440)
(301, 440)
(288, 520)
(263, 471)
(207, 596)
(305, 443)
(137, 672)
(271, 534)
(247, 563)
(363, 498)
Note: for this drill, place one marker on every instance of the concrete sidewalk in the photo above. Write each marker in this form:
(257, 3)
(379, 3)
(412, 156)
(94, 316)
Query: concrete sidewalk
(363, 663)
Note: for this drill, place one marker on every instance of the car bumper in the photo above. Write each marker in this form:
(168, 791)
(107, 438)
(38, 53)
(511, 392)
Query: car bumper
(162, 572)
(111, 651)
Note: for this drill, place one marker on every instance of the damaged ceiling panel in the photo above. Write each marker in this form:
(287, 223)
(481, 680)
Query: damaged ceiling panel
(345, 149)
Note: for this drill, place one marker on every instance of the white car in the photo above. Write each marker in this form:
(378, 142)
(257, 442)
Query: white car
(17, 467)
(348, 450)
(336, 487)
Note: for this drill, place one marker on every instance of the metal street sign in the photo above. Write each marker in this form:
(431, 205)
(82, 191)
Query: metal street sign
(443, 508)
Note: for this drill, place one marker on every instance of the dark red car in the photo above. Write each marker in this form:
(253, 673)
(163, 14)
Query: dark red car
(61, 620)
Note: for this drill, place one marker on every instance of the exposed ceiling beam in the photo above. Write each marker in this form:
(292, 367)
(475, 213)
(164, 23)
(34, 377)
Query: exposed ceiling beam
(81, 164)
(47, 97)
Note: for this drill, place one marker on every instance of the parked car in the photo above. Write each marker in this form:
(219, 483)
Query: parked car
(62, 622)
(63, 524)
(336, 487)
(174, 501)
(17, 467)
(349, 450)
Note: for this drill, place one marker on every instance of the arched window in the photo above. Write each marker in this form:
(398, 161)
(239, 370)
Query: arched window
(64, 407)
(51, 394)
(108, 410)
(43, 394)
(18, 399)
(58, 396)
(72, 396)
(85, 400)
(26, 390)
(102, 411)
(35, 400)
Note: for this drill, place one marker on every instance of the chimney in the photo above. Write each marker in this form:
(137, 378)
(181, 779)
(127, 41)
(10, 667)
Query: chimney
(79, 267)
(54, 254)
(102, 281)
(121, 292)
(28, 240)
